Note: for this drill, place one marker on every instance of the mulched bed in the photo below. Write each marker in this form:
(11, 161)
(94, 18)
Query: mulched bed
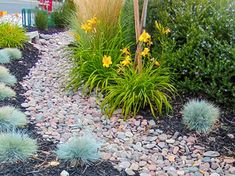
(39, 165)
(49, 31)
(219, 139)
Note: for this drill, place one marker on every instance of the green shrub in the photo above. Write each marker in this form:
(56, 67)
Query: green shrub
(6, 77)
(199, 47)
(200, 115)
(12, 36)
(82, 149)
(15, 147)
(41, 20)
(132, 91)
(6, 92)
(4, 57)
(11, 118)
(62, 16)
(14, 53)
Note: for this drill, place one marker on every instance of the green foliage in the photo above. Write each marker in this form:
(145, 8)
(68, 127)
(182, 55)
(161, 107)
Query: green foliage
(6, 92)
(127, 21)
(82, 149)
(11, 118)
(14, 53)
(6, 77)
(15, 147)
(41, 20)
(62, 16)
(200, 115)
(12, 36)
(4, 57)
(199, 48)
(88, 68)
(132, 91)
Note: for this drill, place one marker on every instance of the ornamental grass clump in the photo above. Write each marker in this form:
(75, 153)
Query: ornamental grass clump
(4, 57)
(6, 92)
(16, 146)
(6, 77)
(11, 117)
(14, 53)
(12, 36)
(82, 149)
(199, 115)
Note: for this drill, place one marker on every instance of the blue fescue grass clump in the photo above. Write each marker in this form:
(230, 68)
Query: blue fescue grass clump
(16, 146)
(200, 115)
(6, 92)
(14, 53)
(82, 149)
(6, 77)
(4, 57)
(11, 117)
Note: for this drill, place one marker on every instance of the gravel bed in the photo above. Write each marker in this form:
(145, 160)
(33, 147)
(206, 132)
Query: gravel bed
(136, 146)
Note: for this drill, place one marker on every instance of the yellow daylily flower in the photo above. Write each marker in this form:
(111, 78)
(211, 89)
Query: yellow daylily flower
(145, 37)
(107, 61)
(125, 51)
(92, 21)
(86, 27)
(145, 52)
(167, 30)
(157, 63)
(126, 61)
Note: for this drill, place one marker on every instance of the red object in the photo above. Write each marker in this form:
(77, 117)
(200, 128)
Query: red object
(46, 5)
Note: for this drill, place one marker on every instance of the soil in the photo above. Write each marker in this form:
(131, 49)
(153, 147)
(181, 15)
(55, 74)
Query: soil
(39, 164)
(222, 136)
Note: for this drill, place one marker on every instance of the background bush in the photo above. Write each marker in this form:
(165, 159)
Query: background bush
(83, 149)
(11, 118)
(199, 47)
(41, 20)
(200, 115)
(15, 147)
(11, 36)
(62, 16)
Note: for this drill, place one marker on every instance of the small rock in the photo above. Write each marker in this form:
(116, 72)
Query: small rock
(205, 166)
(129, 171)
(170, 141)
(152, 123)
(134, 166)
(229, 160)
(161, 144)
(206, 159)
(129, 134)
(214, 174)
(175, 150)
(211, 154)
(232, 170)
(142, 163)
(64, 173)
(162, 137)
(124, 164)
(152, 167)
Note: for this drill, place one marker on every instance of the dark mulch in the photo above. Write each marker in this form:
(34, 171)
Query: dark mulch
(218, 139)
(39, 165)
(51, 30)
